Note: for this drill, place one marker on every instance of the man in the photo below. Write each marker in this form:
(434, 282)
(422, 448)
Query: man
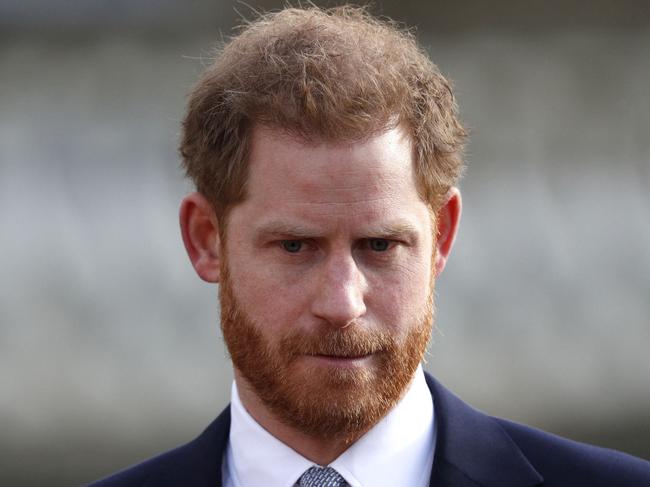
(326, 148)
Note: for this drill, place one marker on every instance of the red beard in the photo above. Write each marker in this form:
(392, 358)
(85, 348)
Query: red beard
(319, 401)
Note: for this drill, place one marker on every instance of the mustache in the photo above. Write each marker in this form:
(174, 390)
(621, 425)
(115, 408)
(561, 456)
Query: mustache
(351, 341)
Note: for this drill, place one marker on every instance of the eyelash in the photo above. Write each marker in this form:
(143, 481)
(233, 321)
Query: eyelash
(284, 244)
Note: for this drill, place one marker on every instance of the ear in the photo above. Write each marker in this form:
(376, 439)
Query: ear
(200, 231)
(447, 221)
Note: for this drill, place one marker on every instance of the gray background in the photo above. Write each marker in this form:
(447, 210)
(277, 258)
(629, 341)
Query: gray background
(109, 344)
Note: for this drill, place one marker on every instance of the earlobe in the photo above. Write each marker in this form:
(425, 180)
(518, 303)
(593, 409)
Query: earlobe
(200, 231)
(447, 221)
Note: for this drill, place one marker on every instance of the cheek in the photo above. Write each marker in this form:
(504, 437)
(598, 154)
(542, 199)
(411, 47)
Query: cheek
(266, 296)
(398, 297)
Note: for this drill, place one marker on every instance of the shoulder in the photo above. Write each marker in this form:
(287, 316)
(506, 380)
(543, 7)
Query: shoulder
(197, 463)
(487, 451)
(565, 462)
(140, 475)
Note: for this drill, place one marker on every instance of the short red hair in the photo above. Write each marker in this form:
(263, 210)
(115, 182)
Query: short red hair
(320, 74)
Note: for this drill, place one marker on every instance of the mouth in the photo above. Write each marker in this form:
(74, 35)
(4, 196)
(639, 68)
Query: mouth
(341, 360)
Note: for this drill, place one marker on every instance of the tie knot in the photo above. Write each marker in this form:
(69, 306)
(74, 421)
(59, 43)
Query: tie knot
(321, 477)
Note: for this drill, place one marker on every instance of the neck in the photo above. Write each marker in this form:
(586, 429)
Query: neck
(318, 450)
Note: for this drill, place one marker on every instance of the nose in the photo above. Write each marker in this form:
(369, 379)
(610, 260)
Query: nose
(339, 298)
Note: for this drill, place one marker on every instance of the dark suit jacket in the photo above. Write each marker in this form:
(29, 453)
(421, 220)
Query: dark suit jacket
(472, 450)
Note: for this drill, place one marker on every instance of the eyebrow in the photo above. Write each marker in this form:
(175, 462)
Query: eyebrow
(397, 230)
(284, 229)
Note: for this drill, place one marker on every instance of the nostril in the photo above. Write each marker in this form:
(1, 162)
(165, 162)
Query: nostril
(339, 306)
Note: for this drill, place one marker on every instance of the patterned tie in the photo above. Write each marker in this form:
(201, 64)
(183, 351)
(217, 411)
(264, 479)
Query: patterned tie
(321, 477)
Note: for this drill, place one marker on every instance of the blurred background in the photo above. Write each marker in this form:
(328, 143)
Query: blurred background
(110, 348)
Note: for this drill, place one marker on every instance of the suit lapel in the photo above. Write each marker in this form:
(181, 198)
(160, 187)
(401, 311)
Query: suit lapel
(199, 462)
(472, 449)
(215, 438)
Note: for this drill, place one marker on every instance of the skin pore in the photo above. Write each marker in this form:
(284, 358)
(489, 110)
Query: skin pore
(326, 283)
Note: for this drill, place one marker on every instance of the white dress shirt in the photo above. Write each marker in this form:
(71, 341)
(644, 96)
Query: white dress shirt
(398, 450)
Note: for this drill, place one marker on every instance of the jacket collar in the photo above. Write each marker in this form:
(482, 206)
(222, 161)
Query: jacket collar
(199, 462)
(473, 449)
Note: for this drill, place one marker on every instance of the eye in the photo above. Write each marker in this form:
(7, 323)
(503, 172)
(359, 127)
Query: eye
(378, 244)
(292, 246)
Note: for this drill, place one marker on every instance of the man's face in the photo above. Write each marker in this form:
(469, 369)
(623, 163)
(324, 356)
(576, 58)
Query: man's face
(326, 287)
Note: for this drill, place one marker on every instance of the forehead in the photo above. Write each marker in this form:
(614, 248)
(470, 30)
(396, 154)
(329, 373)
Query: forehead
(358, 181)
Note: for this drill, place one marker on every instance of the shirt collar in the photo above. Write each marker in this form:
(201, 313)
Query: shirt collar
(398, 450)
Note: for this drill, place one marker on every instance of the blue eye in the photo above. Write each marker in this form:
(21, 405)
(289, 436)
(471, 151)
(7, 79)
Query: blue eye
(379, 244)
(292, 246)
